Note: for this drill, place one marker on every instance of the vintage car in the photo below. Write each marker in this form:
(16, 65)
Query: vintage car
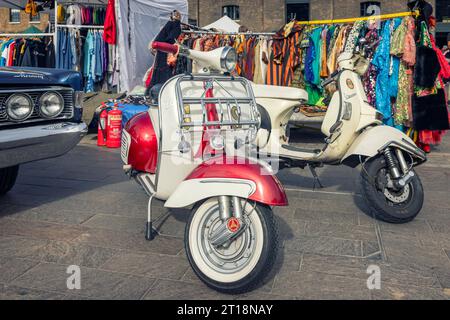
(40, 117)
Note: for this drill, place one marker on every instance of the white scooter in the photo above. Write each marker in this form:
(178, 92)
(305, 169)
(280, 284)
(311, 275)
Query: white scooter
(354, 135)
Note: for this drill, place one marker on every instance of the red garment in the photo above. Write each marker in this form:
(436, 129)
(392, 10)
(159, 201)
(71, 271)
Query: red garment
(445, 67)
(110, 33)
(10, 61)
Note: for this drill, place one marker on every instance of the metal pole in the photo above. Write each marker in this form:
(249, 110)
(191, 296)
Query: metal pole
(55, 32)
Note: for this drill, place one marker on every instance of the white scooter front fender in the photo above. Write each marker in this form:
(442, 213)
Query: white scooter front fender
(373, 140)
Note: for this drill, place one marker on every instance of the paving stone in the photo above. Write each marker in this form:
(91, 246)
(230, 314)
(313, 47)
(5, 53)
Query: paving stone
(326, 216)
(8, 292)
(60, 216)
(94, 283)
(289, 228)
(346, 231)
(372, 250)
(409, 254)
(131, 241)
(314, 285)
(150, 265)
(179, 290)
(325, 245)
(117, 223)
(11, 268)
(63, 252)
(68, 253)
(389, 238)
(20, 247)
(441, 225)
(407, 275)
(390, 292)
(39, 229)
(336, 266)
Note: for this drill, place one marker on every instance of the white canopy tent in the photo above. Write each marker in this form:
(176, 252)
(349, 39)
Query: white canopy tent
(138, 23)
(224, 24)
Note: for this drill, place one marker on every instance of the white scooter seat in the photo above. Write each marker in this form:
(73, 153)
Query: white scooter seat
(276, 92)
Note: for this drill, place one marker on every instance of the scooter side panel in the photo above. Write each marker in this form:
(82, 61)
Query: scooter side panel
(372, 140)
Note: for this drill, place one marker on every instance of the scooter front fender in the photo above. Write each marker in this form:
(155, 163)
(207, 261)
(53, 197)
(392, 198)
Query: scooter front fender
(374, 140)
(229, 177)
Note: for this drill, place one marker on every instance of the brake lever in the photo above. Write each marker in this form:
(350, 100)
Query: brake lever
(330, 80)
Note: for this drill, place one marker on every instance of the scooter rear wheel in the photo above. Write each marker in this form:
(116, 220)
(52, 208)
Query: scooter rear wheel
(387, 205)
(249, 258)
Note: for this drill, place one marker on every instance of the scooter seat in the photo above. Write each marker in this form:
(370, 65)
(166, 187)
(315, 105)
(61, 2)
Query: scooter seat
(276, 92)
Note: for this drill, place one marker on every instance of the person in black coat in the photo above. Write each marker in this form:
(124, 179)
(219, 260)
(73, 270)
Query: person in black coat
(169, 33)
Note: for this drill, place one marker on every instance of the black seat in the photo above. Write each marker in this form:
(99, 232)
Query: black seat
(154, 92)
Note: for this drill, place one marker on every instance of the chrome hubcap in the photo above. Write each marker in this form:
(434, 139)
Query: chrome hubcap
(232, 257)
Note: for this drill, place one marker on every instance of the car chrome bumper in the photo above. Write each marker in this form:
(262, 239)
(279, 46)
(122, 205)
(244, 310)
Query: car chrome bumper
(34, 143)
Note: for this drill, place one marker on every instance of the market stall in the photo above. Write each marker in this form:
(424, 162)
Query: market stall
(404, 78)
(138, 22)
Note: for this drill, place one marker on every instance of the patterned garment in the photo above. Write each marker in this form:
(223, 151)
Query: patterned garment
(353, 37)
(370, 78)
(404, 48)
(382, 61)
(395, 63)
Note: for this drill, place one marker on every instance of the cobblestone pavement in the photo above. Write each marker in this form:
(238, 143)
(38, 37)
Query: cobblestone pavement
(80, 209)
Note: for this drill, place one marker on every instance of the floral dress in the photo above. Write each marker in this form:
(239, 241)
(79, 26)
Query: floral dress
(403, 46)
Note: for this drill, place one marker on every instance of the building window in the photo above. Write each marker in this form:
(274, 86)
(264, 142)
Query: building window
(297, 10)
(370, 8)
(14, 15)
(231, 11)
(36, 18)
(442, 10)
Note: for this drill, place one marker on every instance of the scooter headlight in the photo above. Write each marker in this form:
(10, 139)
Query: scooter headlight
(19, 107)
(51, 104)
(228, 59)
(217, 142)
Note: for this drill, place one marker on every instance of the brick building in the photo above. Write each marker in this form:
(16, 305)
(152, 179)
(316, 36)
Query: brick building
(270, 15)
(16, 21)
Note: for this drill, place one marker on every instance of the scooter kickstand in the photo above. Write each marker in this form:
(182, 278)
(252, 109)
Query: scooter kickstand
(316, 177)
(149, 231)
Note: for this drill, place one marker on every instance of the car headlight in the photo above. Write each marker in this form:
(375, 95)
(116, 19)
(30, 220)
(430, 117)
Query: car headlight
(228, 59)
(51, 104)
(19, 107)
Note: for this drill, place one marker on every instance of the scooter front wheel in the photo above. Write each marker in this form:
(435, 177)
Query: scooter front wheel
(388, 205)
(243, 263)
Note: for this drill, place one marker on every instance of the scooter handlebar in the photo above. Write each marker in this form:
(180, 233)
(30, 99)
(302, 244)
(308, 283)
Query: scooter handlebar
(165, 47)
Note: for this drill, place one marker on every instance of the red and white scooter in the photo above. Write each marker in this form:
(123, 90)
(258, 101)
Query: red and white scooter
(189, 151)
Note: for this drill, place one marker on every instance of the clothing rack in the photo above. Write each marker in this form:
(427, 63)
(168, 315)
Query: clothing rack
(68, 3)
(26, 35)
(350, 20)
(314, 22)
(75, 26)
(229, 33)
(55, 36)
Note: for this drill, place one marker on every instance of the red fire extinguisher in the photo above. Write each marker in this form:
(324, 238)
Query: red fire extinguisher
(114, 128)
(101, 132)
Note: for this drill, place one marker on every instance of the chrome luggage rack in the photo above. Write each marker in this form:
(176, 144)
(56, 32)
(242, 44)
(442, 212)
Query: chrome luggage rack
(233, 112)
